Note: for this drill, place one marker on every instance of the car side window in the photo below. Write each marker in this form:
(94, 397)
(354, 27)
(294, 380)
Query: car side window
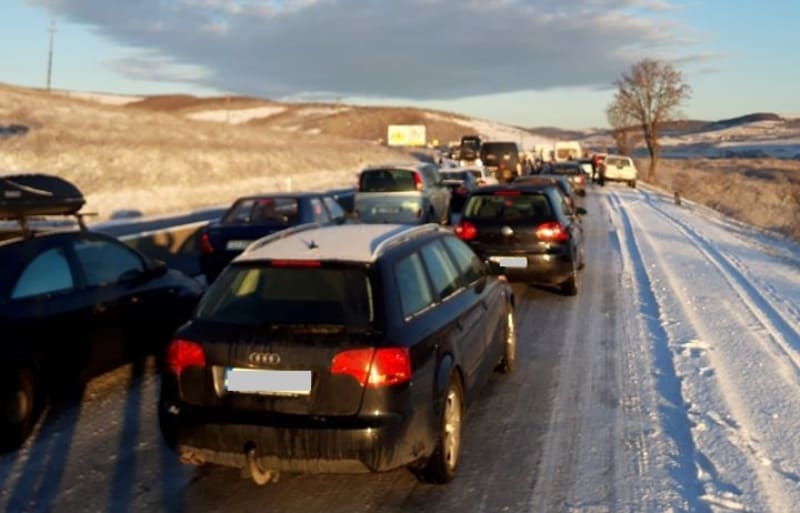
(318, 212)
(105, 262)
(48, 272)
(415, 294)
(336, 211)
(442, 271)
(469, 265)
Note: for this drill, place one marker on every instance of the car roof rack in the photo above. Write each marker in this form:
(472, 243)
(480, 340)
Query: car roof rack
(403, 236)
(28, 231)
(263, 241)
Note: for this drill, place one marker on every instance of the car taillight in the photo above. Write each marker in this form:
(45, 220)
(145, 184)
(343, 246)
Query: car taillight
(466, 230)
(295, 263)
(461, 190)
(182, 354)
(418, 181)
(552, 231)
(205, 244)
(374, 367)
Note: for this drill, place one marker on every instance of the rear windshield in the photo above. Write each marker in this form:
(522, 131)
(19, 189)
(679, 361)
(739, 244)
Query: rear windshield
(387, 180)
(611, 161)
(504, 208)
(255, 295)
(264, 210)
(495, 152)
(457, 175)
(570, 169)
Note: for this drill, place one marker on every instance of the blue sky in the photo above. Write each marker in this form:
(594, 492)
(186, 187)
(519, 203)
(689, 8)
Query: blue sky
(529, 63)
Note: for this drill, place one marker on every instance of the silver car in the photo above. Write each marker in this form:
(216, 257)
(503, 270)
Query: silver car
(408, 193)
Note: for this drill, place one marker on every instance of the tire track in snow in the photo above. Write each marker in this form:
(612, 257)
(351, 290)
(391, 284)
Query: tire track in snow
(739, 428)
(785, 338)
(674, 410)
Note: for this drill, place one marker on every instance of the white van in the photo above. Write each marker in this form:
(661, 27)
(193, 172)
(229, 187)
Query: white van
(566, 150)
(619, 168)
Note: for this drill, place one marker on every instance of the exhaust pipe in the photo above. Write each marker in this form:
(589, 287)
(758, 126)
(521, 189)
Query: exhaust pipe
(254, 470)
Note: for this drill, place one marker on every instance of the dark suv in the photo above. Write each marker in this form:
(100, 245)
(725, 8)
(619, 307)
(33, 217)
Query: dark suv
(348, 348)
(501, 158)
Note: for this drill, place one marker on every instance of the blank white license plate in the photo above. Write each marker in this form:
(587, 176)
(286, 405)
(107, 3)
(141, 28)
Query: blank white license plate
(510, 262)
(237, 244)
(272, 382)
(387, 210)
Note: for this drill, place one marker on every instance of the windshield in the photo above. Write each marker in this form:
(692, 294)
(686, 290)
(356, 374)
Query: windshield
(531, 207)
(388, 180)
(260, 294)
(264, 210)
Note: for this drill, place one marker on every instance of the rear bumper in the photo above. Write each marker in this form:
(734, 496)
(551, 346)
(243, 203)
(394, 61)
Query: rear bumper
(549, 269)
(301, 445)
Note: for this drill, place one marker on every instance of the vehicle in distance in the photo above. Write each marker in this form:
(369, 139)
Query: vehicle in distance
(619, 168)
(349, 348)
(528, 230)
(73, 305)
(403, 193)
(461, 183)
(566, 150)
(501, 159)
(253, 217)
(572, 170)
(469, 151)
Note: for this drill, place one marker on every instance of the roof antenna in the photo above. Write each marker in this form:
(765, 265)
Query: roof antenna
(310, 244)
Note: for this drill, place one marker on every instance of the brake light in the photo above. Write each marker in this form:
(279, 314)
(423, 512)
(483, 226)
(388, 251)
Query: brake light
(296, 263)
(418, 181)
(374, 368)
(552, 231)
(205, 244)
(182, 354)
(466, 230)
(461, 190)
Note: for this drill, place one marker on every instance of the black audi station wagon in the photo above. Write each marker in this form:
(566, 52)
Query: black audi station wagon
(343, 349)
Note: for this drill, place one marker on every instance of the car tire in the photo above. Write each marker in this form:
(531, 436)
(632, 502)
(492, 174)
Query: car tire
(506, 365)
(570, 286)
(441, 467)
(632, 183)
(19, 408)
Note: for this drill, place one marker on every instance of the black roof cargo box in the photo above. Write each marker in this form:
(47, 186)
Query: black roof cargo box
(36, 194)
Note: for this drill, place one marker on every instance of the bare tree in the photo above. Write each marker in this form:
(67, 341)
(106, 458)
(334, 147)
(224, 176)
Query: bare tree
(651, 93)
(622, 127)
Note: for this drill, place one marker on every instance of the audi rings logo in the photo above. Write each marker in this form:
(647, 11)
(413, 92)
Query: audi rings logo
(264, 358)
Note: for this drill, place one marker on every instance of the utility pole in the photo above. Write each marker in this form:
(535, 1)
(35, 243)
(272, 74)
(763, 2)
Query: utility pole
(52, 31)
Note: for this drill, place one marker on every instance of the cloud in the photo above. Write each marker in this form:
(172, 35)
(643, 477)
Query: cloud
(414, 49)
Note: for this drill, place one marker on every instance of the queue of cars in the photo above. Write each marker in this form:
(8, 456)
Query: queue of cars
(326, 341)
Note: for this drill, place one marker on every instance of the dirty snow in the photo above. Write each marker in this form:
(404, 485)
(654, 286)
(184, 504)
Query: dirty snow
(236, 116)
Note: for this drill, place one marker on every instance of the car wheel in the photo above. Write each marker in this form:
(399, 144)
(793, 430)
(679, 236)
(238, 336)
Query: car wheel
(570, 286)
(19, 407)
(441, 466)
(510, 344)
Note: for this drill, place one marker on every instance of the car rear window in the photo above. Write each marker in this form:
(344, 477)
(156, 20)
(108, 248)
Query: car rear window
(457, 175)
(617, 162)
(387, 180)
(264, 210)
(566, 170)
(260, 294)
(493, 153)
(508, 208)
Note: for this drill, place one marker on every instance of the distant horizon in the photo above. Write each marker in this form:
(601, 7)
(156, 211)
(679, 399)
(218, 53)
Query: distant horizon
(100, 93)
